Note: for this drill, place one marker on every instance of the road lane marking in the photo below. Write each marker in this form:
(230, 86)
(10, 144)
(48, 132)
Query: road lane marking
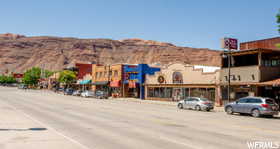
(47, 126)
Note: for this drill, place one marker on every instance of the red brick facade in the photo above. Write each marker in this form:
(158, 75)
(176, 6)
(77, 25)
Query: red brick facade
(83, 69)
(262, 44)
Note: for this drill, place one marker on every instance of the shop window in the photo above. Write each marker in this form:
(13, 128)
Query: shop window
(177, 78)
(195, 92)
(156, 92)
(161, 92)
(150, 92)
(186, 93)
(116, 74)
(96, 75)
(100, 74)
(168, 92)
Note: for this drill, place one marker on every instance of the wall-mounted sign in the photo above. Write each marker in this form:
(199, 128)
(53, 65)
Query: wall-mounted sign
(229, 43)
(177, 77)
(161, 79)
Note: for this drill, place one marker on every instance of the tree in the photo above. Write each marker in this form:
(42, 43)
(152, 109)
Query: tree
(278, 21)
(7, 79)
(48, 73)
(67, 77)
(32, 76)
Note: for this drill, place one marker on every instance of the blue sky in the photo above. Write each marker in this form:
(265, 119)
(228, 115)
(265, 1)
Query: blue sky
(191, 23)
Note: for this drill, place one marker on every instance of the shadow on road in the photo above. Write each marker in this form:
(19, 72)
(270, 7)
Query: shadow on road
(29, 129)
(261, 117)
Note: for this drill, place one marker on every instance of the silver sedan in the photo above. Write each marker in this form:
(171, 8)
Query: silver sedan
(196, 103)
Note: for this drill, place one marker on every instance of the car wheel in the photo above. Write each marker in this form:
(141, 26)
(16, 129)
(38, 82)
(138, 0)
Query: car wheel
(197, 108)
(229, 110)
(208, 110)
(255, 113)
(180, 106)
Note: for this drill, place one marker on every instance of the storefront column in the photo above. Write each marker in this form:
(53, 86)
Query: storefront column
(218, 97)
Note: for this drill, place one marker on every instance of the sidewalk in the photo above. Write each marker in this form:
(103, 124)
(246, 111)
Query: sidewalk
(19, 131)
(166, 103)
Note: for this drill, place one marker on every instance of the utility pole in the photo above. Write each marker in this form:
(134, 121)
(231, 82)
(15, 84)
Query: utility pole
(108, 90)
(229, 44)
(229, 73)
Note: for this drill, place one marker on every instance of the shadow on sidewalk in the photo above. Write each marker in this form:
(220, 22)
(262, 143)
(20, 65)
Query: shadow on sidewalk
(29, 129)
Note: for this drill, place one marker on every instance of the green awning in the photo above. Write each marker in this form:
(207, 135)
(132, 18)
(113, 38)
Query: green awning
(85, 82)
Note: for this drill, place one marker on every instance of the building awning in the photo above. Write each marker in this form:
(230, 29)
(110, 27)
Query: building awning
(85, 82)
(115, 83)
(275, 82)
(100, 83)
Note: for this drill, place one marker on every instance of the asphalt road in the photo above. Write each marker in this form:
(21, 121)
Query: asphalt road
(115, 124)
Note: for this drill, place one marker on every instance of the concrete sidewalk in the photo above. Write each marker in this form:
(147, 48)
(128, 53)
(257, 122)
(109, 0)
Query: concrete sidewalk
(20, 131)
(166, 103)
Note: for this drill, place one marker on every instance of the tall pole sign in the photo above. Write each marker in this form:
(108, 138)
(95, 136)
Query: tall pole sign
(229, 44)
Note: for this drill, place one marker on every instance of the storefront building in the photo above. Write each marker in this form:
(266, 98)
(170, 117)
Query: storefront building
(107, 78)
(178, 81)
(134, 79)
(253, 72)
(84, 83)
(121, 80)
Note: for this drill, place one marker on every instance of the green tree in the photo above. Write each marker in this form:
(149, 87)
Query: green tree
(32, 76)
(48, 73)
(67, 77)
(7, 79)
(278, 21)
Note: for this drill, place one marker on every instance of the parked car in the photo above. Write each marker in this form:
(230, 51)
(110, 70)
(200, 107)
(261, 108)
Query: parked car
(101, 95)
(22, 86)
(196, 103)
(256, 106)
(68, 91)
(87, 94)
(77, 93)
(60, 90)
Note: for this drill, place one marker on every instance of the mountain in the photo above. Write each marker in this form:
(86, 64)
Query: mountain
(18, 52)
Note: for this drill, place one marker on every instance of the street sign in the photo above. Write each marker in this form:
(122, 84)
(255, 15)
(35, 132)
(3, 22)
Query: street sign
(229, 43)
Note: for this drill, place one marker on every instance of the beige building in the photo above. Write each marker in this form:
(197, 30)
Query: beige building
(177, 81)
(108, 78)
(253, 72)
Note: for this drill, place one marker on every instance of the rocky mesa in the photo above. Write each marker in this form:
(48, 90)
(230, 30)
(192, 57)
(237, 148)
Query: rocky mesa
(18, 52)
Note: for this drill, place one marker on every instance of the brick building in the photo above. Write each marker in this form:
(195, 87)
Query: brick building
(269, 43)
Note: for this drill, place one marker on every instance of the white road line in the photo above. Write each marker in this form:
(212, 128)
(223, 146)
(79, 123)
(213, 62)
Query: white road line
(47, 126)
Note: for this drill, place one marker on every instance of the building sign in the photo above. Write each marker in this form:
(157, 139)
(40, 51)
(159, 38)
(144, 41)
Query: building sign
(229, 43)
(161, 79)
(177, 77)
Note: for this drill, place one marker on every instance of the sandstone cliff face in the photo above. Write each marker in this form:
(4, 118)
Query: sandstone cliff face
(18, 53)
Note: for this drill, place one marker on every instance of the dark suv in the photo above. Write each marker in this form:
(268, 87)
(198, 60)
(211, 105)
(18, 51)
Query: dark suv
(256, 106)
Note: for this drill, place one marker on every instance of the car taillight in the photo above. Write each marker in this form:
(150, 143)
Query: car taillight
(264, 105)
(205, 103)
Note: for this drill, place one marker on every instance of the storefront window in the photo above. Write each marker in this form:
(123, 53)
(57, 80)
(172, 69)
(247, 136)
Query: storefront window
(116, 73)
(186, 92)
(168, 92)
(156, 92)
(96, 75)
(150, 92)
(162, 92)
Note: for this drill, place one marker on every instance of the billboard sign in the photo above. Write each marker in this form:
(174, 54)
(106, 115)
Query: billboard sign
(229, 43)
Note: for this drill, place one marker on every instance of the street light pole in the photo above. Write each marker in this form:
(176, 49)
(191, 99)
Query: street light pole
(229, 73)
(108, 80)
